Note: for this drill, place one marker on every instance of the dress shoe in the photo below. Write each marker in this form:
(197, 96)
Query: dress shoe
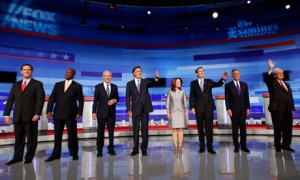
(75, 158)
(51, 159)
(28, 161)
(13, 161)
(288, 149)
(201, 150)
(211, 151)
(278, 150)
(133, 153)
(112, 152)
(245, 149)
(236, 150)
(144, 153)
(99, 154)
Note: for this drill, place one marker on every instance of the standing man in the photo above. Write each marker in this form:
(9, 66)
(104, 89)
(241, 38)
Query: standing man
(67, 99)
(202, 106)
(138, 106)
(28, 97)
(238, 108)
(106, 97)
(281, 107)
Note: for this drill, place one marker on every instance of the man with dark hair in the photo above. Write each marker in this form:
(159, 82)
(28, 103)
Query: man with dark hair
(238, 108)
(138, 106)
(67, 100)
(281, 107)
(28, 97)
(202, 106)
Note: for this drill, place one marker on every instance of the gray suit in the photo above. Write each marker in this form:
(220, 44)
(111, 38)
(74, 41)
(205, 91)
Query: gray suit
(176, 102)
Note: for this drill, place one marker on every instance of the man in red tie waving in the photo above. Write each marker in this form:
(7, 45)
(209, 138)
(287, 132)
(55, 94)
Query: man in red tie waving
(281, 107)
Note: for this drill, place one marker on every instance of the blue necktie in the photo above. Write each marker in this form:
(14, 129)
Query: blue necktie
(138, 85)
(238, 88)
(107, 90)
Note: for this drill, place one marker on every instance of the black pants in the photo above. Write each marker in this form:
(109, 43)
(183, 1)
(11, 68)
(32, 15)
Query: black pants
(239, 122)
(282, 124)
(140, 122)
(205, 118)
(23, 130)
(72, 137)
(110, 122)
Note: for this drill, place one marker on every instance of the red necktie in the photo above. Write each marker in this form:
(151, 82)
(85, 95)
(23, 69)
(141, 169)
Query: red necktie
(23, 86)
(283, 86)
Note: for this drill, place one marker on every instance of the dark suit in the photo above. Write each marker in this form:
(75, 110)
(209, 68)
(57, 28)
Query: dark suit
(65, 111)
(28, 103)
(204, 105)
(105, 114)
(140, 104)
(281, 107)
(238, 104)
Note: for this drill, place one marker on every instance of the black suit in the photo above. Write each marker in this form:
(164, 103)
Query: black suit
(140, 104)
(105, 114)
(281, 107)
(204, 105)
(28, 103)
(65, 111)
(238, 104)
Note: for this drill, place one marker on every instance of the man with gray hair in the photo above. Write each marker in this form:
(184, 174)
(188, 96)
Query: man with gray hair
(281, 107)
(106, 97)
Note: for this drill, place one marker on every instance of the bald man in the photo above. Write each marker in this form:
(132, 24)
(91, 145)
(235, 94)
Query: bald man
(106, 97)
(67, 100)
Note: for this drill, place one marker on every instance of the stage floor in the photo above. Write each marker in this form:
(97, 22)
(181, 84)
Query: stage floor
(161, 163)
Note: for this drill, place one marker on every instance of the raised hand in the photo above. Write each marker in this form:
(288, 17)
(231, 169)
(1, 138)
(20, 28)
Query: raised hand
(156, 74)
(271, 64)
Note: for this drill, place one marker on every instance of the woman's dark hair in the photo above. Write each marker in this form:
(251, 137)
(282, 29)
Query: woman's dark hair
(173, 83)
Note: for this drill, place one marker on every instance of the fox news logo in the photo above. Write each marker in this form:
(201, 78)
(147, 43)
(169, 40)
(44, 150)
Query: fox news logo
(29, 19)
(248, 29)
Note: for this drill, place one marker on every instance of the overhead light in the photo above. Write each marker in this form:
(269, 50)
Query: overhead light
(123, 25)
(148, 11)
(287, 6)
(248, 2)
(82, 22)
(215, 14)
(112, 7)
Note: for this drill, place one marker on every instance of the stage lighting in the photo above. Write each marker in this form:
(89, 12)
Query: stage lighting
(215, 14)
(248, 2)
(123, 25)
(148, 11)
(112, 7)
(287, 6)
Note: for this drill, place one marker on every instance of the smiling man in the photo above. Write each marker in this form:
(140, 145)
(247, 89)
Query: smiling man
(28, 97)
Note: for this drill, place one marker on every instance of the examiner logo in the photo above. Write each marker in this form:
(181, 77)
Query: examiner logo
(248, 29)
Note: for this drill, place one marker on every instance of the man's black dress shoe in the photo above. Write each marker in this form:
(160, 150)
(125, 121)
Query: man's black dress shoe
(99, 154)
(288, 149)
(133, 153)
(112, 152)
(201, 150)
(144, 153)
(211, 151)
(236, 150)
(278, 149)
(13, 161)
(51, 159)
(28, 161)
(75, 158)
(245, 149)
